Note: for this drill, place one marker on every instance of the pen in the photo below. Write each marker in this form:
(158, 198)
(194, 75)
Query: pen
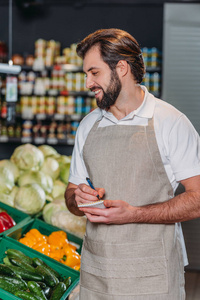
(91, 185)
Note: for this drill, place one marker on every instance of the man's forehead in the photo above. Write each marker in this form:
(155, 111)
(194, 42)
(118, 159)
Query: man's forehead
(91, 59)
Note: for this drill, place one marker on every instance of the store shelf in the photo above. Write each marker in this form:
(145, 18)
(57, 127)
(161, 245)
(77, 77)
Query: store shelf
(64, 67)
(56, 117)
(153, 69)
(37, 140)
(57, 93)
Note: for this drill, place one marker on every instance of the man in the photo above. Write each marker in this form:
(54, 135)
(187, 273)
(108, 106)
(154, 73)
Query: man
(136, 149)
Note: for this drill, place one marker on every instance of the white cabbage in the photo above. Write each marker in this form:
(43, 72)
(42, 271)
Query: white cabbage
(30, 198)
(6, 180)
(11, 166)
(28, 157)
(48, 151)
(59, 188)
(64, 172)
(57, 214)
(45, 181)
(7, 199)
(49, 209)
(65, 220)
(63, 159)
(51, 167)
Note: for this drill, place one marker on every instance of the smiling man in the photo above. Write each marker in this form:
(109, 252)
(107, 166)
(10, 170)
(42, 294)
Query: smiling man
(136, 149)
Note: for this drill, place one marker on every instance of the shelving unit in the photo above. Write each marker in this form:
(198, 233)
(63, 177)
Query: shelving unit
(50, 113)
(33, 108)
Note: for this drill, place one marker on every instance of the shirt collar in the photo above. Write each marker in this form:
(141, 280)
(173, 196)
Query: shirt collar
(145, 110)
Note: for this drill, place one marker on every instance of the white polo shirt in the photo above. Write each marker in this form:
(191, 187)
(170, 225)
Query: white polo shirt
(178, 141)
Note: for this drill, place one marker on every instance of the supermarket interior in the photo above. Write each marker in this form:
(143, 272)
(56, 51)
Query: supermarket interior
(43, 98)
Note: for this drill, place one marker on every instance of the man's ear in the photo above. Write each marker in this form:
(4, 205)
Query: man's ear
(122, 67)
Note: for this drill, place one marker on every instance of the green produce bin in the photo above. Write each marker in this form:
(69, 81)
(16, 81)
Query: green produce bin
(64, 271)
(45, 229)
(19, 217)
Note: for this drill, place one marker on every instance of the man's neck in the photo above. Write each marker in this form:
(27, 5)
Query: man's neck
(128, 101)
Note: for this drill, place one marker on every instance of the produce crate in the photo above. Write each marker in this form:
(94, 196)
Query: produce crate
(64, 271)
(19, 217)
(45, 229)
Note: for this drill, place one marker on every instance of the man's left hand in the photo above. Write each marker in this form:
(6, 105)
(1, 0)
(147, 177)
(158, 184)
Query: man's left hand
(116, 212)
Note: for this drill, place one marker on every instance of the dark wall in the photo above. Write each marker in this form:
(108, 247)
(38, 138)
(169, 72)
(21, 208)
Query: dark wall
(70, 23)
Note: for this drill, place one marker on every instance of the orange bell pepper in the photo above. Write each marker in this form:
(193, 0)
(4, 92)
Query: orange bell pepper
(42, 248)
(71, 260)
(56, 246)
(26, 241)
(58, 238)
(71, 257)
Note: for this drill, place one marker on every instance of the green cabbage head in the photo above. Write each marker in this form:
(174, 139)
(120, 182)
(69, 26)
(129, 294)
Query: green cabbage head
(48, 151)
(7, 199)
(45, 181)
(28, 157)
(11, 166)
(51, 167)
(6, 180)
(59, 188)
(64, 172)
(30, 198)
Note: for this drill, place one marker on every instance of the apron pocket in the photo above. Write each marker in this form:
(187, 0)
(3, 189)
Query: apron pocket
(124, 269)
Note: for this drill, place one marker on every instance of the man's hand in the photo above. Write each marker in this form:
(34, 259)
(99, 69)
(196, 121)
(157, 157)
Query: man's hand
(85, 194)
(116, 212)
(80, 194)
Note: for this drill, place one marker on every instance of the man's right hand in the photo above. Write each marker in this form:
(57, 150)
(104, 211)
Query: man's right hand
(81, 194)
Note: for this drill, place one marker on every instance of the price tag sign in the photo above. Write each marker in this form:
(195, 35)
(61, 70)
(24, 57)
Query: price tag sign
(52, 141)
(11, 89)
(26, 140)
(39, 140)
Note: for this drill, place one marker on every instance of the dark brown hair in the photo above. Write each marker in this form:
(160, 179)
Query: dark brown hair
(115, 45)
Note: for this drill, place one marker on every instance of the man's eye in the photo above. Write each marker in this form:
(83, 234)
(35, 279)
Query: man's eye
(94, 73)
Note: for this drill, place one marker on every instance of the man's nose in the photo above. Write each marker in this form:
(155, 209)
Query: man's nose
(89, 82)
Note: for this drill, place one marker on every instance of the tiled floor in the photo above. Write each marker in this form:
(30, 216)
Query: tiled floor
(192, 285)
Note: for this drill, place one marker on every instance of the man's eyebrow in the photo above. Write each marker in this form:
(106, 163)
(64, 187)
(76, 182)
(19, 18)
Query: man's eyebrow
(90, 69)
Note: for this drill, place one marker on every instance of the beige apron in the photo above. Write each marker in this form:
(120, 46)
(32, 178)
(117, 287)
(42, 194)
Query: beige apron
(130, 261)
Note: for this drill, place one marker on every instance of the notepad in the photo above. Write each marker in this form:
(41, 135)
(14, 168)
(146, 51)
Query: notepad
(97, 204)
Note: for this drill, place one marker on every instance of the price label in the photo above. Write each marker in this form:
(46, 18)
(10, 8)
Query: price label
(70, 141)
(4, 139)
(52, 141)
(26, 139)
(11, 89)
(41, 116)
(59, 117)
(39, 140)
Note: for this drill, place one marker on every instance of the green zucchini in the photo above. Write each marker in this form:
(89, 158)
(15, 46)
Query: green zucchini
(22, 264)
(8, 286)
(42, 284)
(58, 291)
(20, 283)
(6, 261)
(27, 295)
(47, 291)
(39, 262)
(27, 275)
(49, 278)
(6, 270)
(67, 281)
(35, 288)
(13, 253)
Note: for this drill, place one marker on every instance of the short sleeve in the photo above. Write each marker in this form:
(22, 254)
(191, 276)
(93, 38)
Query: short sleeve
(184, 149)
(78, 171)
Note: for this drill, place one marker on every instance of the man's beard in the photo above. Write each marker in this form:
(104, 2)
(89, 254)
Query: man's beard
(110, 96)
